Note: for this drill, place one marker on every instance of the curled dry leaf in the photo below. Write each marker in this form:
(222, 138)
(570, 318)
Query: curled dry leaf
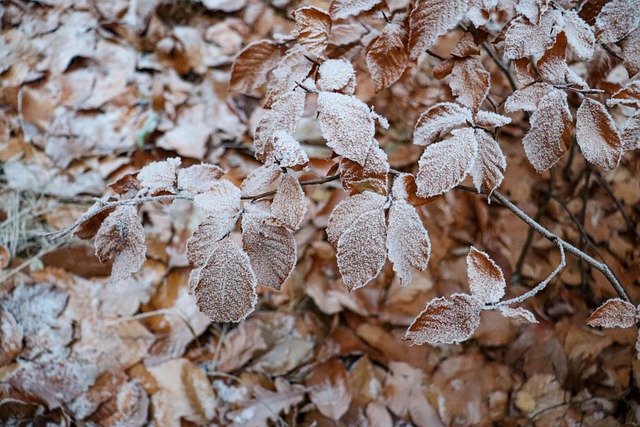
(527, 98)
(628, 95)
(388, 56)
(312, 28)
(341, 9)
(579, 35)
(283, 116)
(521, 315)
(550, 132)
(329, 389)
(337, 75)
(121, 239)
(159, 177)
(408, 243)
(286, 151)
(488, 119)
(553, 64)
(225, 287)
(348, 211)
(347, 125)
(617, 19)
(372, 176)
(488, 169)
(289, 204)
(445, 164)
(597, 135)
(431, 19)
(438, 120)
(222, 197)
(252, 65)
(614, 313)
(199, 178)
(446, 321)
(486, 280)
(405, 188)
(362, 249)
(532, 9)
(200, 245)
(470, 82)
(259, 179)
(271, 249)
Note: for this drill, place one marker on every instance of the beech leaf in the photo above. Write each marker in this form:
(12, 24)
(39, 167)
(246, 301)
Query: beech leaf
(250, 69)
(286, 151)
(222, 197)
(337, 75)
(341, 9)
(628, 95)
(614, 313)
(348, 210)
(312, 28)
(597, 135)
(486, 280)
(617, 19)
(371, 176)
(446, 321)
(289, 204)
(408, 243)
(521, 315)
(431, 19)
(438, 120)
(388, 57)
(159, 176)
(523, 38)
(631, 133)
(488, 169)
(469, 82)
(527, 98)
(579, 35)
(121, 239)
(283, 116)
(259, 179)
(199, 178)
(204, 239)
(328, 385)
(225, 287)
(445, 164)
(488, 119)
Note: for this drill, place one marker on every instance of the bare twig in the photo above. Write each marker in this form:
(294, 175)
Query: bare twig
(603, 182)
(435, 55)
(311, 182)
(501, 66)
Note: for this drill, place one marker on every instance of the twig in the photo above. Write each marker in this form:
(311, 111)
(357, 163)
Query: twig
(578, 90)
(603, 182)
(601, 267)
(311, 182)
(435, 55)
(501, 66)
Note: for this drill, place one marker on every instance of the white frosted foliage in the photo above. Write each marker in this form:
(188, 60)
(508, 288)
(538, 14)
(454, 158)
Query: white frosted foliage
(486, 280)
(159, 176)
(204, 239)
(337, 75)
(282, 116)
(438, 120)
(597, 135)
(260, 178)
(614, 313)
(199, 178)
(348, 210)
(519, 314)
(222, 197)
(289, 204)
(488, 169)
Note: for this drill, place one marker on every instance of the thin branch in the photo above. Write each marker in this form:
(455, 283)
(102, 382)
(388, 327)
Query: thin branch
(603, 182)
(435, 55)
(501, 66)
(601, 267)
(311, 182)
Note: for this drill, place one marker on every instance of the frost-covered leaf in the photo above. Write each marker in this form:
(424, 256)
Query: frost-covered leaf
(465, 47)
(348, 210)
(222, 197)
(550, 132)
(597, 135)
(199, 178)
(631, 133)
(204, 239)
(292, 69)
(617, 19)
(438, 120)
(405, 188)
(388, 56)
(372, 176)
(329, 389)
(553, 64)
(225, 288)
(11, 335)
(408, 243)
(579, 35)
(271, 249)
(362, 249)
(286, 151)
(445, 164)
(283, 116)
(486, 280)
(446, 321)
(628, 95)
(488, 119)
(532, 9)
(252, 65)
(341, 9)
(347, 125)
(289, 204)
(265, 409)
(521, 315)
(431, 19)
(630, 52)
(160, 176)
(527, 98)
(470, 82)
(259, 179)
(121, 239)
(488, 169)
(337, 75)
(523, 38)
(312, 28)
(614, 313)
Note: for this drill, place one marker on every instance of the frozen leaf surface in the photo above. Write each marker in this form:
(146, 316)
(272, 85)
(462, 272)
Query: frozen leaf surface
(289, 204)
(388, 56)
(597, 135)
(159, 176)
(488, 169)
(445, 164)
(341, 9)
(362, 249)
(348, 211)
(225, 288)
(579, 35)
(631, 133)
(431, 19)
(329, 389)
(199, 178)
(283, 116)
(210, 231)
(521, 315)
(337, 75)
(371, 176)
(222, 197)
(121, 239)
(486, 280)
(250, 68)
(446, 321)
(312, 28)
(259, 179)
(617, 19)
(629, 95)
(523, 38)
(286, 151)
(488, 119)
(470, 82)
(347, 124)
(527, 98)
(438, 120)
(614, 313)
(408, 243)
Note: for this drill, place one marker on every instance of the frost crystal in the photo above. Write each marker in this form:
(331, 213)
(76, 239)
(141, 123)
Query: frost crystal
(223, 197)
(199, 178)
(337, 75)
(159, 176)
(348, 211)
(486, 280)
(438, 120)
(289, 205)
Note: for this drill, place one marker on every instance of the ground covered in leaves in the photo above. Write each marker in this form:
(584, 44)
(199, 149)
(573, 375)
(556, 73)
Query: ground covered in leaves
(93, 90)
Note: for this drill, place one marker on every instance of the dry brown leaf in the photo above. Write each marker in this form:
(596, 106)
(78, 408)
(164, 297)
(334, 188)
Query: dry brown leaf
(252, 65)
(408, 243)
(10, 337)
(132, 407)
(488, 169)
(523, 39)
(223, 197)
(388, 56)
(439, 120)
(349, 210)
(579, 35)
(445, 164)
(282, 116)
(486, 280)
(617, 19)
(312, 28)
(470, 82)
(446, 321)
(225, 287)
(614, 313)
(431, 19)
(199, 178)
(160, 176)
(259, 179)
(329, 389)
(521, 315)
(628, 95)
(121, 240)
(286, 151)
(372, 176)
(550, 132)
(527, 98)
(341, 9)
(204, 239)
(337, 75)
(289, 204)
(597, 135)
(630, 52)
(631, 133)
